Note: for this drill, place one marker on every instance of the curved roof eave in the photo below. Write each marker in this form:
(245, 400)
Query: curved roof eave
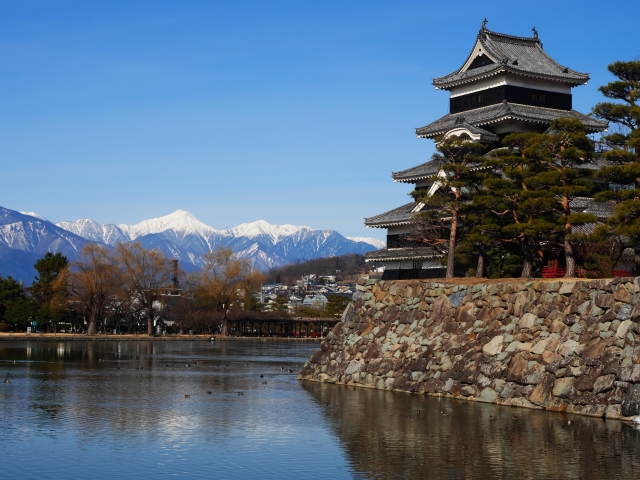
(574, 82)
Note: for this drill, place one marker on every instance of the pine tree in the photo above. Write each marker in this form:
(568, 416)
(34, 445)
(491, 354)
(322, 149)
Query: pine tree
(525, 208)
(625, 115)
(623, 151)
(440, 219)
(50, 297)
(563, 152)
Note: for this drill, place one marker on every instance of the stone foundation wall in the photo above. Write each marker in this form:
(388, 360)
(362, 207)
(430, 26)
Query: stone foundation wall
(569, 346)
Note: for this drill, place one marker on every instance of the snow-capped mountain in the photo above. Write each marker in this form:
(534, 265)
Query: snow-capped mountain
(182, 236)
(378, 244)
(34, 214)
(24, 237)
(110, 234)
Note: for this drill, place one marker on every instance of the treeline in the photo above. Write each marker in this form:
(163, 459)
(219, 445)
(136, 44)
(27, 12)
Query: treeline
(127, 288)
(343, 266)
(501, 214)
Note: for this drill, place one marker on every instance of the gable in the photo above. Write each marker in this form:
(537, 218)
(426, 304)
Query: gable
(480, 61)
(479, 57)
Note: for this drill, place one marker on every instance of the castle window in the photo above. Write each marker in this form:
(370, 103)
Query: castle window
(417, 264)
(534, 97)
(479, 98)
(543, 98)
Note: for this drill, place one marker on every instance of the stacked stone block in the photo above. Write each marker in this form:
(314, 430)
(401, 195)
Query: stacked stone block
(569, 346)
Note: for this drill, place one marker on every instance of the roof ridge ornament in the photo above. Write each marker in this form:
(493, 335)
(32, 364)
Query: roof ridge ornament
(459, 120)
(484, 23)
(535, 33)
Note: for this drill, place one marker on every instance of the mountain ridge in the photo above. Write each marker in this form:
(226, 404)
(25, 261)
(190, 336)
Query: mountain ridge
(180, 235)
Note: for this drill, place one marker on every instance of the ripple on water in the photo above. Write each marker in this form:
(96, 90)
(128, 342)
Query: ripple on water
(81, 415)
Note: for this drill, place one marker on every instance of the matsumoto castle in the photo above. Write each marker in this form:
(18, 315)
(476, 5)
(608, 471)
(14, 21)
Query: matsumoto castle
(506, 84)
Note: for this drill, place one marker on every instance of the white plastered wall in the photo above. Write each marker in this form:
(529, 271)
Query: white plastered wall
(510, 79)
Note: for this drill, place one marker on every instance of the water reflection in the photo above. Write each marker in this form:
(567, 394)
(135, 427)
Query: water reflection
(121, 406)
(397, 435)
(118, 409)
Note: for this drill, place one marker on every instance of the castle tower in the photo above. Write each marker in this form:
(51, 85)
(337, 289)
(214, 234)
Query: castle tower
(507, 84)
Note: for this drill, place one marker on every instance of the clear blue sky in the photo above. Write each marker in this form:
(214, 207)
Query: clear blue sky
(288, 111)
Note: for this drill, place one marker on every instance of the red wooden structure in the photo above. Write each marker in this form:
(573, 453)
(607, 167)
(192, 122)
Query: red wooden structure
(553, 272)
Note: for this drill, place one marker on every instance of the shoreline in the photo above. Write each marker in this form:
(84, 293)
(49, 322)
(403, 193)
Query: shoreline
(21, 337)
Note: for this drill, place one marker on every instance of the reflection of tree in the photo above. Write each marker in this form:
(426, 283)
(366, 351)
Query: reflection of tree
(66, 387)
(385, 437)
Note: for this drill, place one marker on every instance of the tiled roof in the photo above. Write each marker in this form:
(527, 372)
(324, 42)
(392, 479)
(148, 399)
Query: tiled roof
(398, 216)
(602, 210)
(585, 229)
(388, 254)
(506, 111)
(425, 170)
(580, 203)
(511, 54)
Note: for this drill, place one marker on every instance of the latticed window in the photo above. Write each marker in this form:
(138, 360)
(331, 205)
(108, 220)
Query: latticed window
(417, 264)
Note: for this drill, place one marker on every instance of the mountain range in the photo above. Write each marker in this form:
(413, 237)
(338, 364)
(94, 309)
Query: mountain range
(26, 236)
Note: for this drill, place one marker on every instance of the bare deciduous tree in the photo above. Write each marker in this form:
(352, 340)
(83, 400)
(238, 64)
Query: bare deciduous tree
(223, 277)
(93, 283)
(145, 274)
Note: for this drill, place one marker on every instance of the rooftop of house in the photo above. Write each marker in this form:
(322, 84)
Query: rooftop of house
(496, 53)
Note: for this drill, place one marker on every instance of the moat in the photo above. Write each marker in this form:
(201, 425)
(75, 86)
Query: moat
(119, 409)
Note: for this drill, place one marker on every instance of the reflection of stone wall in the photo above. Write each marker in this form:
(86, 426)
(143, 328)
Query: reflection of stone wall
(385, 437)
(569, 346)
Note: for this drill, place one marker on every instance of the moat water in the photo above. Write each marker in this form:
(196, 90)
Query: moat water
(118, 410)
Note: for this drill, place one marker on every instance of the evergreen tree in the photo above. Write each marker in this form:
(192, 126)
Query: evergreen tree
(16, 309)
(50, 297)
(525, 210)
(458, 180)
(623, 151)
(625, 115)
(563, 152)
(336, 305)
